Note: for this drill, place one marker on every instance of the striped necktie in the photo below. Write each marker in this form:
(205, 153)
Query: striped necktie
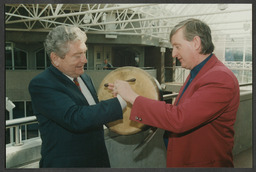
(77, 83)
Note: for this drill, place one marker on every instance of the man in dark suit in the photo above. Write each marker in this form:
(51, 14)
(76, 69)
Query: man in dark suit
(200, 124)
(69, 113)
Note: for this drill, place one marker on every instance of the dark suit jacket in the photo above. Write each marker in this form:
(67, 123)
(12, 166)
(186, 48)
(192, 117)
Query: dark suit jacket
(71, 130)
(201, 125)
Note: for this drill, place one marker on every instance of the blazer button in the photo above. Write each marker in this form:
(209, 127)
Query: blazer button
(140, 119)
(136, 117)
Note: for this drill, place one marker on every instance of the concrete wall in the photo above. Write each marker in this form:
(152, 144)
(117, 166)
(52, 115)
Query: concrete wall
(243, 124)
(17, 82)
(17, 156)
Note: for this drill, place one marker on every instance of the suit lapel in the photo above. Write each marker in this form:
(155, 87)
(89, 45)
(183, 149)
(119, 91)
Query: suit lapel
(204, 70)
(181, 89)
(63, 79)
(212, 61)
(69, 85)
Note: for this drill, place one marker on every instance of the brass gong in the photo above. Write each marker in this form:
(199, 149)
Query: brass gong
(145, 85)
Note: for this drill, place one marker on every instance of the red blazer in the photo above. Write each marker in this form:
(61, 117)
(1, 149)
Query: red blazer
(201, 125)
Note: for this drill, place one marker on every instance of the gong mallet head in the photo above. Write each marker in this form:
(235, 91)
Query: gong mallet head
(129, 80)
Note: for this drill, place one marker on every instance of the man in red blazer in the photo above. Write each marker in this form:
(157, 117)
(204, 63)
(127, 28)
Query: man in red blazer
(200, 123)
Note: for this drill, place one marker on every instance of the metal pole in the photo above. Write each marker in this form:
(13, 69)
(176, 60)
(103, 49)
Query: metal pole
(9, 107)
(18, 136)
(162, 50)
(11, 129)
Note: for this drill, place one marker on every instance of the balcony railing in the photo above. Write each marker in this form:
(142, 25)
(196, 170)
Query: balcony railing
(17, 124)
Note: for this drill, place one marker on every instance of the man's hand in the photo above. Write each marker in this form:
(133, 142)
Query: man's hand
(124, 89)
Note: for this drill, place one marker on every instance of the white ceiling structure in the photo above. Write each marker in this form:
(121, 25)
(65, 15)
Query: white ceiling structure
(227, 21)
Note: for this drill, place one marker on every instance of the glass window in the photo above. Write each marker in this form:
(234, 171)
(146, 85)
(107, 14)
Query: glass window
(18, 111)
(48, 60)
(20, 59)
(7, 131)
(41, 59)
(248, 54)
(32, 129)
(29, 110)
(14, 57)
(8, 55)
(234, 54)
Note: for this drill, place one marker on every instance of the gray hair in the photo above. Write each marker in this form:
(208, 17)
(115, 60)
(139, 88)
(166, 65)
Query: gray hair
(194, 27)
(57, 40)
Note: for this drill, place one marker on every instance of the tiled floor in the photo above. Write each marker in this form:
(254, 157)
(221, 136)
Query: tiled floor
(244, 159)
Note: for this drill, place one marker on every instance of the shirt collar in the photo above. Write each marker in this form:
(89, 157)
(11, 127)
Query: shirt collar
(71, 77)
(196, 69)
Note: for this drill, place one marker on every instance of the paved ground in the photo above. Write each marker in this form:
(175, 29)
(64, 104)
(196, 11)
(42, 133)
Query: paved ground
(242, 160)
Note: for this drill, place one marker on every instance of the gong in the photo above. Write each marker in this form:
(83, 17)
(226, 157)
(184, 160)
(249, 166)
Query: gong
(144, 85)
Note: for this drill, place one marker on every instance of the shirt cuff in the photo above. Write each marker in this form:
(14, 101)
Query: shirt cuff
(121, 101)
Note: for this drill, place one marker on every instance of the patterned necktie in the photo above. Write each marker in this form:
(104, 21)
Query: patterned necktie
(77, 83)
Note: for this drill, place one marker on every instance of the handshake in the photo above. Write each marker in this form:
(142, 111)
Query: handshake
(124, 89)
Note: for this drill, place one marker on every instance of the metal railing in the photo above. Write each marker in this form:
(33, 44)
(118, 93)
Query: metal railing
(170, 96)
(17, 124)
(245, 84)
